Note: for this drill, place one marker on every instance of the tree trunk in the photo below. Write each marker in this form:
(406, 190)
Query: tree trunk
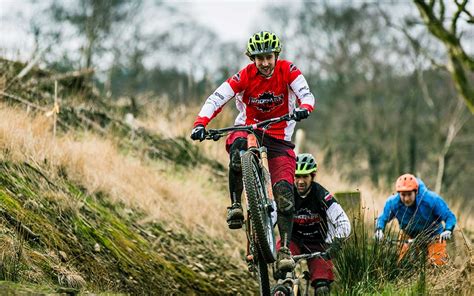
(457, 122)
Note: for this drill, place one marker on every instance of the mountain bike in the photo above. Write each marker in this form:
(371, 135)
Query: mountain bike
(295, 283)
(258, 197)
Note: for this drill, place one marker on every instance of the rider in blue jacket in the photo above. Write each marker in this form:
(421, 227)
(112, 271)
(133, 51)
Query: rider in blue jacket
(418, 210)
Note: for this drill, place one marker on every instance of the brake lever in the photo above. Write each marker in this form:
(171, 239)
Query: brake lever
(216, 137)
(213, 135)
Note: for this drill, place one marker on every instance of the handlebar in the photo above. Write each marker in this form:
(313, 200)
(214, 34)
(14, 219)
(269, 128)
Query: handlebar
(297, 258)
(416, 240)
(216, 134)
(405, 241)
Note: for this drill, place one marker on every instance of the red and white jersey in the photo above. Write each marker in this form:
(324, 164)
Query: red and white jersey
(259, 98)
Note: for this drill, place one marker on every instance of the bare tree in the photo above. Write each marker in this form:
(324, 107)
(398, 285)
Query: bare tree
(455, 116)
(457, 121)
(93, 19)
(461, 65)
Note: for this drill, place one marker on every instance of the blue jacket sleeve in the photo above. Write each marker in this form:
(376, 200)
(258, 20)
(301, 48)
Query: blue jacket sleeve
(444, 213)
(386, 216)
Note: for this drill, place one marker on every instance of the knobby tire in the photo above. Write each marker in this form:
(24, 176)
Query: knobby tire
(259, 215)
(263, 279)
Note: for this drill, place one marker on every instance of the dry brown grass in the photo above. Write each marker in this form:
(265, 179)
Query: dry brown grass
(167, 193)
(173, 121)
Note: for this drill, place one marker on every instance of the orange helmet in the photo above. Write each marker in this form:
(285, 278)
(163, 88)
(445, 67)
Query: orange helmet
(406, 182)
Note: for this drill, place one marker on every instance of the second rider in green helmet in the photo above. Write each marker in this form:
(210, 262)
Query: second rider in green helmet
(266, 88)
(319, 223)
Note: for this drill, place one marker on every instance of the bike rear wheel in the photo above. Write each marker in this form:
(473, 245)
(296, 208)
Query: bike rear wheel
(260, 215)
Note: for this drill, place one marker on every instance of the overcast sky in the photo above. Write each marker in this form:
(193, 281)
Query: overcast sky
(233, 20)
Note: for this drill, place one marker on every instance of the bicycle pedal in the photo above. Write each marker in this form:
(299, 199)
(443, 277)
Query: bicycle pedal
(250, 263)
(235, 224)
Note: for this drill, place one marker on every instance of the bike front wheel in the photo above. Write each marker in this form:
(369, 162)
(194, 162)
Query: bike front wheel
(281, 290)
(262, 273)
(260, 216)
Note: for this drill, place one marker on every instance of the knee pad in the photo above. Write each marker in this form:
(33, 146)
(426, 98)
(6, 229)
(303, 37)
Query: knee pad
(283, 192)
(238, 145)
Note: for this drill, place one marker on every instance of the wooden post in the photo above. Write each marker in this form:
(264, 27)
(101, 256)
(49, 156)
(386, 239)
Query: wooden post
(55, 107)
(299, 141)
(350, 202)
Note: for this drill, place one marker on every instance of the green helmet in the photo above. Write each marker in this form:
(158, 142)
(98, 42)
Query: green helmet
(305, 164)
(263, 42)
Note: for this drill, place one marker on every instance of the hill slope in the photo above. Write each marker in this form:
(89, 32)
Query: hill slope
(93, 209)
(54, 233)
(109, 206)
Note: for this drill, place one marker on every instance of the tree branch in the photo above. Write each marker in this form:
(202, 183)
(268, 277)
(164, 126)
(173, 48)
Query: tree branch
(459, 60)
(441, 11)
(413, 41)
(457, 14)
(432, 2)
(456, 123)
(434, 24)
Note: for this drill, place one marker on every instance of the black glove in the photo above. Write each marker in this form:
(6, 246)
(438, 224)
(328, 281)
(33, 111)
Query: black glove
(300, 113)
(198, 133)
(333, 249)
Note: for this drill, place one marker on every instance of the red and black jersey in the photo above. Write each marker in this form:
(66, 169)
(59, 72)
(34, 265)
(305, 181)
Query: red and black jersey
(260, 98)
(318, 217)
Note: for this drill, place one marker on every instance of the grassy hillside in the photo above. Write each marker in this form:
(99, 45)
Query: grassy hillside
(110, 205)
(55, 234)
(103, 206)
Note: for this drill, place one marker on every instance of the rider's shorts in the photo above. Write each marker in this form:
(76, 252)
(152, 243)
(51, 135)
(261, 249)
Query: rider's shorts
(281, 157)
(319, 268)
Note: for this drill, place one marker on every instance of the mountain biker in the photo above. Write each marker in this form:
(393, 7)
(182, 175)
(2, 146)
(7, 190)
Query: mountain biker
(268, 87)
(319, 222)
(420, 213)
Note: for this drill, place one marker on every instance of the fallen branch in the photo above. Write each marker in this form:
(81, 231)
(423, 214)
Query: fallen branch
(22, 229)
(62, 76)
(24, 101)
